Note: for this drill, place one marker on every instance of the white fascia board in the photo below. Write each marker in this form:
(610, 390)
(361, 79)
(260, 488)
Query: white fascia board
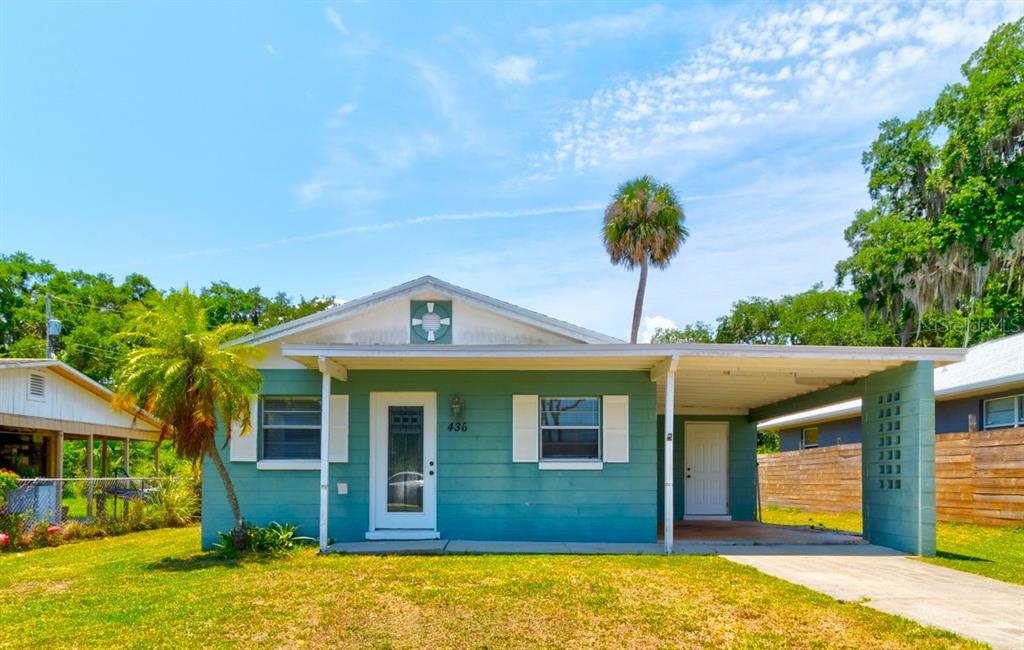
(856, 353)
(359, 305)
(781, 352)
(840, 411)
(851, 408)
(568, 351)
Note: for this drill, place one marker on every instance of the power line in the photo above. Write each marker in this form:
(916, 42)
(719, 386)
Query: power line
(82, 304)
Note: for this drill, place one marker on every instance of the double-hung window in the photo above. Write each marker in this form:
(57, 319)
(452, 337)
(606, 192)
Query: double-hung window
(570, 428)
(291, 428)
(1004, 412)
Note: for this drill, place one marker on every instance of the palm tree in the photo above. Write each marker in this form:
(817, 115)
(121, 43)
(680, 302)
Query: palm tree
(643, 226)
(181, 372)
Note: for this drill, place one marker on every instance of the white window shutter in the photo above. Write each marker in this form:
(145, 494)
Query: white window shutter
(615, 420)
(337, 444)
(243, 448)
(525, 428)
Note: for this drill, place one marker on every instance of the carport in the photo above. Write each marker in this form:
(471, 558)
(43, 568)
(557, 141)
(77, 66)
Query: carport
(732, 387)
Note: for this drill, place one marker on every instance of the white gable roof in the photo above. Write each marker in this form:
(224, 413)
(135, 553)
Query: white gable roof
(525, 324)
(988, 367)
(67, 396)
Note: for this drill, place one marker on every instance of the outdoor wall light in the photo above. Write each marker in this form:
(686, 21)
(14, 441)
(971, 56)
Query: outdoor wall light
(457, 406)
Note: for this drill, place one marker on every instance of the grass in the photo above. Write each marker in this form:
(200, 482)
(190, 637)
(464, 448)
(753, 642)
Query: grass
(993, 551)
(155, 589)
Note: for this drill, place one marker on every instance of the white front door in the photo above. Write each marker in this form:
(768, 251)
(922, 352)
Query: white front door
(706, 457)
(403, 466)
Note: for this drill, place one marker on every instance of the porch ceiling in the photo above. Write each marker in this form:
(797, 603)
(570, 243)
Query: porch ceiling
(713, 379)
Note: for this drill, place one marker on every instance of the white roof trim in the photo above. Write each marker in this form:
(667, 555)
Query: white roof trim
(682, 350)
(358, 305)
(844, 410)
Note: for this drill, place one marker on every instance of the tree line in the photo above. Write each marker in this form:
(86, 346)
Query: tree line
(938, 256)
(95, 310)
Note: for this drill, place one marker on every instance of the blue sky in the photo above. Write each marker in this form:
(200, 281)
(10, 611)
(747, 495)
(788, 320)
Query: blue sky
(343, 148)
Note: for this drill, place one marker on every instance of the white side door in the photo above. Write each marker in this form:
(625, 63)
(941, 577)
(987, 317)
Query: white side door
(403, 466)
(706, 456)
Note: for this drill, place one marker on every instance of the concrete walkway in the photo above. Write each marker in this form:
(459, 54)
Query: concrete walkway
(971, 605)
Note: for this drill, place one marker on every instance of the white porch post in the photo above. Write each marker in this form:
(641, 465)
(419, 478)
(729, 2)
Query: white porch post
(88, 476)
(128, 456)
(325, 423)
(670, 393)
(666, 370)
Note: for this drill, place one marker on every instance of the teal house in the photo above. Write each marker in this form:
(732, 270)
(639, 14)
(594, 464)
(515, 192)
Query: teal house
(428, 411)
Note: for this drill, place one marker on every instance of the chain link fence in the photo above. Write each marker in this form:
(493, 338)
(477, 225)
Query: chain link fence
(58, 500)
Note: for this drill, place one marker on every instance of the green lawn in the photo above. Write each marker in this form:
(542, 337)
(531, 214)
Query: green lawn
(993, 551)
(154, 589)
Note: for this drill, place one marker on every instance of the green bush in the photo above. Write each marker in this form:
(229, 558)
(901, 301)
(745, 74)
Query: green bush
(8, 481)
(272, 538)
(176, 504)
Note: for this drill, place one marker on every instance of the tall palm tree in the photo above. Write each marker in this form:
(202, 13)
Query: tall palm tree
(181, 372)
(643, 226)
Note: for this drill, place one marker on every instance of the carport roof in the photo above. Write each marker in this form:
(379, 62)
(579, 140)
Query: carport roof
(710, 378)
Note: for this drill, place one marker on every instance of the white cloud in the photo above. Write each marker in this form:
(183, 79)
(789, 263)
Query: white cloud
(334, 18)
(798, 69)
(649, 325)
(339, 115)
(315, 189)
(514, 70)
(269, 48)
(582, 33)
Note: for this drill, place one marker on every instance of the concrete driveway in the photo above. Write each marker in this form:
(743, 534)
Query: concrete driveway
(974, 606)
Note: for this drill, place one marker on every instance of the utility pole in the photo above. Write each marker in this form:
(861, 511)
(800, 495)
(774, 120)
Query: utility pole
(52, 330)
(49, 318)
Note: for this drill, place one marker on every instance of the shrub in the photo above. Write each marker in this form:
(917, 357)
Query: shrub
(272, 538)
(176, 504)
(8, 481)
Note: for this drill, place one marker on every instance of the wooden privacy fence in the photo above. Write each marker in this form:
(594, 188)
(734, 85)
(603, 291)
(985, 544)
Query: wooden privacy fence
(979, 478)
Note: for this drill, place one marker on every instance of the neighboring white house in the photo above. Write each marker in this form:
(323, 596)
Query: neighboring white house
(44, 402)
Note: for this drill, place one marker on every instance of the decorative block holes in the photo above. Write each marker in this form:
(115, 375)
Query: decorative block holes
(889, 463)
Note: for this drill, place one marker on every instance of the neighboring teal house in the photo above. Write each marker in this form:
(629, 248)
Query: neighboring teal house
(430, 411)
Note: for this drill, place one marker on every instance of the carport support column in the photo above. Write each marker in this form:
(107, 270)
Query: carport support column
(89, 476)
(670, 417)
(325, 423)
(898, 458)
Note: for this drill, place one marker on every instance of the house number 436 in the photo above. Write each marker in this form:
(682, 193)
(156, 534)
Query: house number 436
(458, 426)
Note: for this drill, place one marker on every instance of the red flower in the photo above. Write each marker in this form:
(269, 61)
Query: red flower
(53, 530)
(5, 539)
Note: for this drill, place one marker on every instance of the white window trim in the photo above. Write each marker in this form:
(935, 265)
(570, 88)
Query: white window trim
(803, 438)
(298, 464)
(1018, 412)
(577, 463)
(263, 428)
(582, 464)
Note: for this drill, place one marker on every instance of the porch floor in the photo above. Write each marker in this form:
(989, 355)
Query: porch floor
(753, 533)
(692, 538)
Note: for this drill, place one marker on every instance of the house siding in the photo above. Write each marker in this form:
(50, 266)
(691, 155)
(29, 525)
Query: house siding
(481, 494)
(742, 464)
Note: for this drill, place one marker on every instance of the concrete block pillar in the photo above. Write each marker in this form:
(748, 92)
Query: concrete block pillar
(898, 458)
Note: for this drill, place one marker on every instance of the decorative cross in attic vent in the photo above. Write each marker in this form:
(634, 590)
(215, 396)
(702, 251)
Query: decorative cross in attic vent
(431, 322)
